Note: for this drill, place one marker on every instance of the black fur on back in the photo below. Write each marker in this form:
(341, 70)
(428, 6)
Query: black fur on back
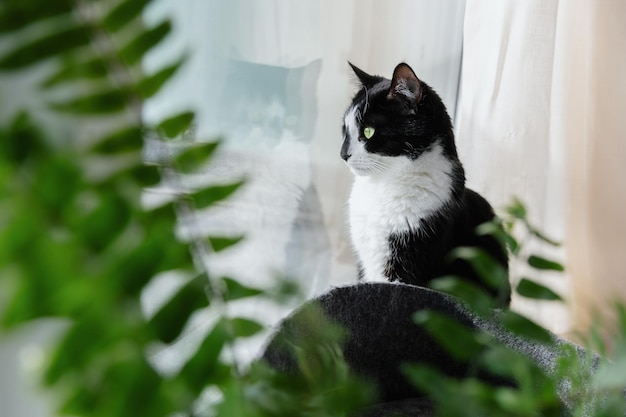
(418, 258)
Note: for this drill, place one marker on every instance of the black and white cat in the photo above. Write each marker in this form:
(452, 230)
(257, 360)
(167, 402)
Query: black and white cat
(409, 206)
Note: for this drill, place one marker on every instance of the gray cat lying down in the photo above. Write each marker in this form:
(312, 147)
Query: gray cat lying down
(382, 336)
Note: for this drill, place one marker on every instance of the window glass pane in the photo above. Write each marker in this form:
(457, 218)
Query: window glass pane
(271, 78)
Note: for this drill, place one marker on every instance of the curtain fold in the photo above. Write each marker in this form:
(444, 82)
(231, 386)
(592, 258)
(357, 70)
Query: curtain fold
(539, 117)
(503, 127)
(591, 90)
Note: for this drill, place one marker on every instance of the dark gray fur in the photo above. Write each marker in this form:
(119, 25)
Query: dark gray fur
(382, 337)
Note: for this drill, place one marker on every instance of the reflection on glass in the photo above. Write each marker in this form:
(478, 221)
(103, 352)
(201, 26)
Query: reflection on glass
(268, 123)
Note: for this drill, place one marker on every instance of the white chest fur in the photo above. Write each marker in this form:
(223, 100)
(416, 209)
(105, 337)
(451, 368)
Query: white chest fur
(394, 201)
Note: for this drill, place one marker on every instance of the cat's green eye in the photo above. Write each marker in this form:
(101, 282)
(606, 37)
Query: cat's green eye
(368, 132)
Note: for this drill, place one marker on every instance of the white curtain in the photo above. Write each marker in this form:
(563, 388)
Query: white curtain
(590, 96)
(539, 117)
(504, 126)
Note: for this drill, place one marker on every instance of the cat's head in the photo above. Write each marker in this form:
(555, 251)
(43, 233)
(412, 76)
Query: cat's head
(390, 119)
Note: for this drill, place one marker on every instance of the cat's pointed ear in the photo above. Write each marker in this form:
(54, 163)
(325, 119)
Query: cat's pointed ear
(405, 83)
(365, 79)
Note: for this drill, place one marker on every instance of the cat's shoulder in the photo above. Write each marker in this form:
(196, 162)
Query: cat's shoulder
(477, 204)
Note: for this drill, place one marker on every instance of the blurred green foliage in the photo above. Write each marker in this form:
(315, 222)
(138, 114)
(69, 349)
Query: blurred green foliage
(77, 245)
(572, 387)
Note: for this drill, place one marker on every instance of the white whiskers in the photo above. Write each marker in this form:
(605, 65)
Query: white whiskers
(368, 165)
(379, 166)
